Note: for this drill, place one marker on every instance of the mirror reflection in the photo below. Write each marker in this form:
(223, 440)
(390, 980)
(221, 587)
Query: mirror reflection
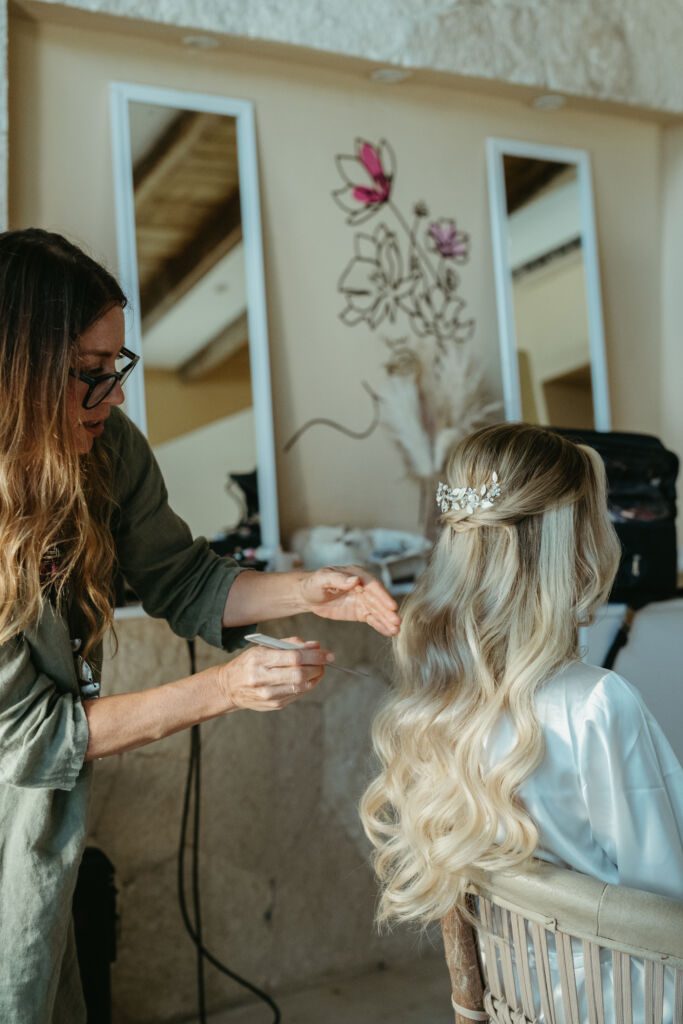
(193, 311)
(547, 268)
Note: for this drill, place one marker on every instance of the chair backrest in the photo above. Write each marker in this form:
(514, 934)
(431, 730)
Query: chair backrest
(558, 947)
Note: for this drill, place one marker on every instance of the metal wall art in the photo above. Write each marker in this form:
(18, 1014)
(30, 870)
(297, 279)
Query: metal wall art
(403, 278)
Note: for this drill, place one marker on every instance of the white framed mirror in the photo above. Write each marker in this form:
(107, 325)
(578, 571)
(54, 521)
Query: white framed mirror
(191, 264)
(547, 285)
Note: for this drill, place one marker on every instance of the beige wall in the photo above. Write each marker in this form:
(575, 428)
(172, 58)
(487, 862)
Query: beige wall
(176, 406)
(551, 322)
(61, 178)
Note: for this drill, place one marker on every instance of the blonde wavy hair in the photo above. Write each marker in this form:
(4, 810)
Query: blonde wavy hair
(51, 498)
(494, 616)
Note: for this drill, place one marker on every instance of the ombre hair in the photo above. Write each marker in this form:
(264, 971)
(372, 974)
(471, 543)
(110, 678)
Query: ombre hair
(495, 615)
(52, 500)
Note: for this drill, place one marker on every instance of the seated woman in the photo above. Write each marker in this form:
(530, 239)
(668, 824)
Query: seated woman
(499, 744)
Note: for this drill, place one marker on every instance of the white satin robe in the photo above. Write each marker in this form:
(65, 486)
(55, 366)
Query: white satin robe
(607, 798)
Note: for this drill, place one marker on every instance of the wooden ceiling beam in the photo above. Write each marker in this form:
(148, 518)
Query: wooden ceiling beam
(220, 232)
(525, 177)
(173, 146)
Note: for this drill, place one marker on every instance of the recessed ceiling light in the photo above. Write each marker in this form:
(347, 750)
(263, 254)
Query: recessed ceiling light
(390, 76)
(201, 42)
(549, 101)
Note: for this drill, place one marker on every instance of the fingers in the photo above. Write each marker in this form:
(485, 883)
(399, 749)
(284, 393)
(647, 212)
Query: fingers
(309, 655)
(298, 640)
(347, 576)
(297, 678)
(280, 688)
(280, 693)
(372, 602)
(380, 609)
(265, 679)
(277, 703)
(385, 626)
(338, 578)
(376, 592)
(272, 667)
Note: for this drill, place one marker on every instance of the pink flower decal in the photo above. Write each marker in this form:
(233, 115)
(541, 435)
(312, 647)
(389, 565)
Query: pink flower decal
(368, 178)
(370, 159)
(450, 243)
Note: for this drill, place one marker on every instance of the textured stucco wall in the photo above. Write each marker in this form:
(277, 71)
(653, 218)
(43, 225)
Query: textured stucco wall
(605, 49)
(287, 890)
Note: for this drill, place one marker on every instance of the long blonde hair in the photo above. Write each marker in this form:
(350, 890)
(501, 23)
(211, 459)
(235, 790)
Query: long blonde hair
(55, 504)
(494, 616)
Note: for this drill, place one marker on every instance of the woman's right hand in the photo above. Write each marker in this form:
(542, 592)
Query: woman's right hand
(265, 679)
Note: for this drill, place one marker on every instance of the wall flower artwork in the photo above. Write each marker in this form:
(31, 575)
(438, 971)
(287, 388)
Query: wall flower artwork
(402, 282)
(399, 269)
(367, 177)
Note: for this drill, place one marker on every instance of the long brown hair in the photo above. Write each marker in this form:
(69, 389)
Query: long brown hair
(51, 498)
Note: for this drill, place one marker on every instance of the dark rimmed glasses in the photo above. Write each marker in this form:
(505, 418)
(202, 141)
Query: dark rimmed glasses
(102, 385)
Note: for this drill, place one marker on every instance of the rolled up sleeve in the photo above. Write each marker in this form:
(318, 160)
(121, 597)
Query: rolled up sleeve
(177, 578)
(43, 730)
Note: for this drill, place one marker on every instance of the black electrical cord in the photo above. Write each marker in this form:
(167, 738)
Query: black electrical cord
(196, 901)
(193, 786)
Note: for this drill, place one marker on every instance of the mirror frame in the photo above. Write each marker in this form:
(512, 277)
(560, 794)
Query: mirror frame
(121, 94)
(496, 149)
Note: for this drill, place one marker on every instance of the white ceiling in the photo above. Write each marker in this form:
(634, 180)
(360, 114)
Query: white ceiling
(215, 302)
(148, 122)
(543, 225)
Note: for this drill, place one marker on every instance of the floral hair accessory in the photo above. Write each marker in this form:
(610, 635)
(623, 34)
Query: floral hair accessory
(467, 499)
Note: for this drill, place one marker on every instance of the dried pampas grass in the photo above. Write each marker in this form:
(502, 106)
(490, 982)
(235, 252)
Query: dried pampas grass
(429, 402)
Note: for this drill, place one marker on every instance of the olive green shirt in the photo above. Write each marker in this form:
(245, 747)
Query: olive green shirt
(44, 783)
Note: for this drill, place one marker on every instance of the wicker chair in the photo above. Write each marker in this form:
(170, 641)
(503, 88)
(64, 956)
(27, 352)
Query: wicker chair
(556, 946)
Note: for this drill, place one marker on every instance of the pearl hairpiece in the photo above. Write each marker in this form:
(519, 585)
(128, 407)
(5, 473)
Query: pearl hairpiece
(467, 499)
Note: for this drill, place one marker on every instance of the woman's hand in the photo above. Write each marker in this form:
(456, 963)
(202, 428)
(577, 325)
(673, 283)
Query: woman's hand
(260, 679)
(352, 594)
(264, 679)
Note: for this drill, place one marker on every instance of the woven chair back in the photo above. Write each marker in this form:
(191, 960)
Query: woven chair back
(553, 946)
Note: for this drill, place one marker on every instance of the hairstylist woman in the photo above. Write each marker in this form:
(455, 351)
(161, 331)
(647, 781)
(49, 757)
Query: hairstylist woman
(80, 493)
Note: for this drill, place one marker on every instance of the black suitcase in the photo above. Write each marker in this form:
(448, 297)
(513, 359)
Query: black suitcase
(641, 475)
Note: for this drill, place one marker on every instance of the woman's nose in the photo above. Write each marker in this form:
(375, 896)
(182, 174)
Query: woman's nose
(116, 395)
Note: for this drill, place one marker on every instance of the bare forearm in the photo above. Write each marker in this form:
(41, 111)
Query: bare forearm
(256, 596)
(129, 720)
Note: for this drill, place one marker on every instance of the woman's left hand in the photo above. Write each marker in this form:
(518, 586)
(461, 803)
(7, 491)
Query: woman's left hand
(349, 593)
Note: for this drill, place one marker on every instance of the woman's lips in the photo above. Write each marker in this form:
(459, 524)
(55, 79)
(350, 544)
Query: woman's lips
(94, 427)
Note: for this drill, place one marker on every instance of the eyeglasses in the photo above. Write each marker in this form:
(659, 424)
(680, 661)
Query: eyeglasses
(102, 385)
